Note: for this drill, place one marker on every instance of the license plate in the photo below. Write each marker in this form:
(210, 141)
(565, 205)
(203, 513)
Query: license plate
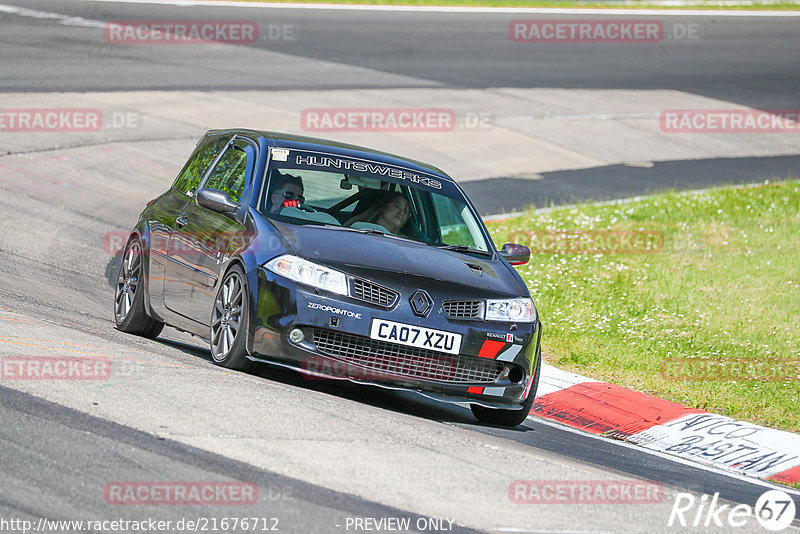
(415, 336)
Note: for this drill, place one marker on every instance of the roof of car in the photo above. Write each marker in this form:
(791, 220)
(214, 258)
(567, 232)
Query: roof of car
(290, 141)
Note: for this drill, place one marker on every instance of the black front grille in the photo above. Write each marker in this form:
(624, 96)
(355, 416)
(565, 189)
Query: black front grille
(463, 309)
(371, 292)
(391, 359)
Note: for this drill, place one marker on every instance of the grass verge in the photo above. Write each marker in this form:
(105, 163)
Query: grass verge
(709, 316)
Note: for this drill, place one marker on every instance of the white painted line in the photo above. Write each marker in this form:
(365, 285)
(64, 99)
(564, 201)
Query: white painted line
(464, 9)
(671, 457)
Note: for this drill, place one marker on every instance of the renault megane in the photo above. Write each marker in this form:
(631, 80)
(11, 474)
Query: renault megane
(337, 261)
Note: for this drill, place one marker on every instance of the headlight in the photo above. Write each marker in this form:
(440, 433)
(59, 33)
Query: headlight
(513, 310)
(309, 273)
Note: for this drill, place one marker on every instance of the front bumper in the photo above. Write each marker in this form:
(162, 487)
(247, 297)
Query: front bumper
(493, 367)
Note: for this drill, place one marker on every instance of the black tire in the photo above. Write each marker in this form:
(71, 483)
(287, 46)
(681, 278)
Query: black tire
(510, 418)
(129, 312)
(228, 330)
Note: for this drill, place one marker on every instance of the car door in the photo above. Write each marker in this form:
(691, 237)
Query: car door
(166, 210)
(203, 240)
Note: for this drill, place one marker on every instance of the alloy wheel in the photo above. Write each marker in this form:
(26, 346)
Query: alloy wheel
(128, 281)
(226, 318)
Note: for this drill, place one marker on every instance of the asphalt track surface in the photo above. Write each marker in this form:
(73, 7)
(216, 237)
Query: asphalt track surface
(623, 181)
(747, 60)
(184, 419)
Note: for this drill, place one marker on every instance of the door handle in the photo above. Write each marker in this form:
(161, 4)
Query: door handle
(181, 221)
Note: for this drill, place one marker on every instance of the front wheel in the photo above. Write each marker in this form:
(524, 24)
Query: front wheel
(511, 418)
(129, 313)
(229, 322)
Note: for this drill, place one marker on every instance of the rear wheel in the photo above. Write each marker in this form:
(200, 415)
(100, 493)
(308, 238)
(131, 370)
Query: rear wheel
(129, 313)
(496, 416)
(229, 322)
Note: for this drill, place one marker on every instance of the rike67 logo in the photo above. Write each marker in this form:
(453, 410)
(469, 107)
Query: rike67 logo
(774, 511)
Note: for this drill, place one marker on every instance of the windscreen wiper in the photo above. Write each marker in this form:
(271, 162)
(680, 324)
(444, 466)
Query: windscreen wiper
(464, 248)
(372, 231)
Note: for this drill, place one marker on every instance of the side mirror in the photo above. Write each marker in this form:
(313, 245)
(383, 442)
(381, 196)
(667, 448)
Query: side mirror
(515, 254)
(216, 200)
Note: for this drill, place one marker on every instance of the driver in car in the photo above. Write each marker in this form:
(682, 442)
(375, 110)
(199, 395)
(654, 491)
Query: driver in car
(287, 192)
(392, 212)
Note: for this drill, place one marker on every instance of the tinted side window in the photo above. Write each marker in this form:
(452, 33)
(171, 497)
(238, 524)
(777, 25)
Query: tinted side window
(198, 164)
(456, 226)
(230, 173)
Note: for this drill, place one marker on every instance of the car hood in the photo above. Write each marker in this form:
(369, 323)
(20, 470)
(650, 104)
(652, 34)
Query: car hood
(384, 258)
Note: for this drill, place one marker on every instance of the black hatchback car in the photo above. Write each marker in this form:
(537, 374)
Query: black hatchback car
(340, 262)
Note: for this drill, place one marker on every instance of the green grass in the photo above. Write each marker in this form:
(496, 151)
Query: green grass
(610, 4)
(725, 285)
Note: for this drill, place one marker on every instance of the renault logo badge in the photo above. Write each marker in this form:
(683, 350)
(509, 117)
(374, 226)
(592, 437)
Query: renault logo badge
(421, 303)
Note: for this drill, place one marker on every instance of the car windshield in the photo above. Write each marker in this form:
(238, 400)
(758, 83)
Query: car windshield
(313, 188)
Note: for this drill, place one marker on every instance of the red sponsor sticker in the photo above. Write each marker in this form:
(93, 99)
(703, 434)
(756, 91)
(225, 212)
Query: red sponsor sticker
(180, 31)
(378, 120)
(54, 368)
(586, 31)
(50, 120)
(180, 493)
(585, 492)
(730, 121)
